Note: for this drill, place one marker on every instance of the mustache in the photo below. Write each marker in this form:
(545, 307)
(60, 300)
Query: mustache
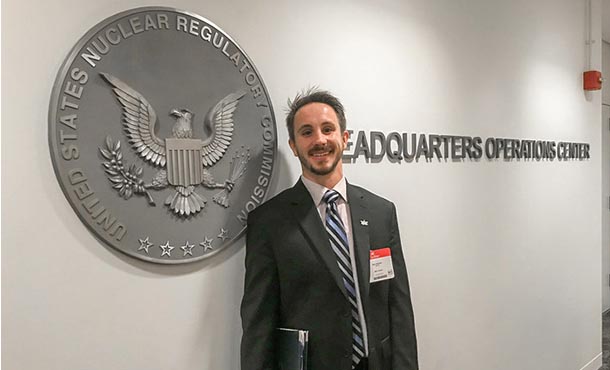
(321, 148)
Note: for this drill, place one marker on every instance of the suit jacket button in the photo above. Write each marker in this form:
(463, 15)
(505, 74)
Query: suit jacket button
(346, 314)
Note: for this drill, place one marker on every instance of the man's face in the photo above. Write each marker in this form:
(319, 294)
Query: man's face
(318, 142)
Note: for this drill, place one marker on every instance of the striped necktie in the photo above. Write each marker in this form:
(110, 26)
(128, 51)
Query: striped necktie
(338, 241)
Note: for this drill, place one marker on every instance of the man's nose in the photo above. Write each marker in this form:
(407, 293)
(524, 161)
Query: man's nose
(319, 137)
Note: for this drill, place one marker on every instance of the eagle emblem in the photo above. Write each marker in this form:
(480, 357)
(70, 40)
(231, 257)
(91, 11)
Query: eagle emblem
(183, 161)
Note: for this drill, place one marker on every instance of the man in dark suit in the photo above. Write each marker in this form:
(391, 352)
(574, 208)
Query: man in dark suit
(325, 256)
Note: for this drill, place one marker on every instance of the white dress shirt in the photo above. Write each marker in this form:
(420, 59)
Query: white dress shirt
(317, 192)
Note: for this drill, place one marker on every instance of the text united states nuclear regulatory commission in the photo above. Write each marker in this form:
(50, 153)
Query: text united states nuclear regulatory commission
(162, 134)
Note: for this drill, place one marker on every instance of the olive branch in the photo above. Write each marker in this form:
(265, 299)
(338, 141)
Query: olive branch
(127, 180)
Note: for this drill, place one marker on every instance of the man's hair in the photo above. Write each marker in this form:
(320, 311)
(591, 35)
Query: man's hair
(313, 95)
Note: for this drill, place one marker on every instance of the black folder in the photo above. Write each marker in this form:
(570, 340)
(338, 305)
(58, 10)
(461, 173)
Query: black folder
(292, 349)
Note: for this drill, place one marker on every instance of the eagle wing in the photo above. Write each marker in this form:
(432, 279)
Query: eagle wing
(139, 121)
(219, 121)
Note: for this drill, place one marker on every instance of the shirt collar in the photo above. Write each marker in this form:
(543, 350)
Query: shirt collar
(317, 191)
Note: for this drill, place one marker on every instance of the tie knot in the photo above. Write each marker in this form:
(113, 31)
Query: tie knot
(331, 196)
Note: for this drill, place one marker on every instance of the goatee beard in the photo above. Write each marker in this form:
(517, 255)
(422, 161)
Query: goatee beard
(319, 171)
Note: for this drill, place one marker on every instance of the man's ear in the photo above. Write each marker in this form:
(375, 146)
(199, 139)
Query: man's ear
(345, 137)
(293, 147)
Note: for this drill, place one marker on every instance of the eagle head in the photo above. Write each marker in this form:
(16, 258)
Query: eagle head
(182, 113)
(183, 127)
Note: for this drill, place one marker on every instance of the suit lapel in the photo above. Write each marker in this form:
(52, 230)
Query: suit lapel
(360, 231)
(311, 226)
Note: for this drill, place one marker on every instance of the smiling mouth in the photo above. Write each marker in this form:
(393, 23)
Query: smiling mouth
(320, 154)
(321, 151)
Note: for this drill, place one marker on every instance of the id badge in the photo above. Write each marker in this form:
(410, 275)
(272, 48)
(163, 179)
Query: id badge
(381, 265)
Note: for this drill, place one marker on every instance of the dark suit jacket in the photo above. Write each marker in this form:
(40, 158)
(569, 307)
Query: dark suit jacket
(293, 280)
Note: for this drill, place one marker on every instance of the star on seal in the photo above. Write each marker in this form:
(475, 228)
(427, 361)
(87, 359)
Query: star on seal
(145, 244)
(167, 249)
(188, 248)
(206, 244)
(224, 234)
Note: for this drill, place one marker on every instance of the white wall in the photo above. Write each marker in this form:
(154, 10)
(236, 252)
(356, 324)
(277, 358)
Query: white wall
(503, 256)
(606, 70)
(606, 155)
(606, 173)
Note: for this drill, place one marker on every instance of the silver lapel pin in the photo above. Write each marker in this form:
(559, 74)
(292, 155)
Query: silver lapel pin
(364, 222)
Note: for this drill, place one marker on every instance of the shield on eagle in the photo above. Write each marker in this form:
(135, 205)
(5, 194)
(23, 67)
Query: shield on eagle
(184, 166)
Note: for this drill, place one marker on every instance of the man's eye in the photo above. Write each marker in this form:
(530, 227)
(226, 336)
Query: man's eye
(327, 130)
(306, 133)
